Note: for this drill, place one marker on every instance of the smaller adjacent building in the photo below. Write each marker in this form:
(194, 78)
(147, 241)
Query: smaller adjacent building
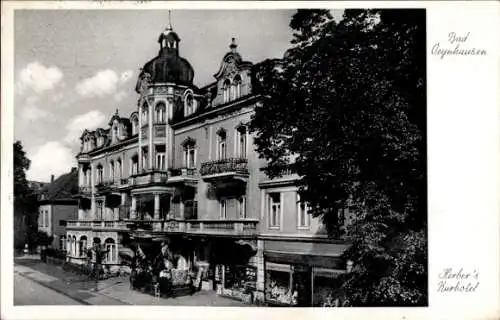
(57, 205)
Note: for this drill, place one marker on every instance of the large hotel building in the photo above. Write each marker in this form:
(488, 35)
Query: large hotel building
(181, 169)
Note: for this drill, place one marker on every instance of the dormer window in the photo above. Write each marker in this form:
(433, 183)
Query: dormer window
(236, 87)
(115, 133)
(160, 113)
(135, 125)
(189, 104)
(226, 87)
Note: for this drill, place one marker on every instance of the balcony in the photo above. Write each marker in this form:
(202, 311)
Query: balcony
(85, 190)
(95, 224)
(225, 170)
(152, 177)
(222, 227)
(183, 176)
(105, 187)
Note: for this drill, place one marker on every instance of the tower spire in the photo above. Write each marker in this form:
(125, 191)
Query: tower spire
(169, 27)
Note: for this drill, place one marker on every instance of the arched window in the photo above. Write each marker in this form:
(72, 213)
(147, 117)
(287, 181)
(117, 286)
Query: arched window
(144, 114)
(221, 144)
(111, 251)
(82, 245)
(189, 153)
(226, 90)
(111, 170)
(100, 174)
(135, 124)
(73, 246)
(160, 112)
(189, 104)
(236, 87)
(241, 141)
(160, 156)
(134, 164)
(115, 133)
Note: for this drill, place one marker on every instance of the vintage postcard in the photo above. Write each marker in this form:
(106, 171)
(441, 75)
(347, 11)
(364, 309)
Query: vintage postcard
(221, 160)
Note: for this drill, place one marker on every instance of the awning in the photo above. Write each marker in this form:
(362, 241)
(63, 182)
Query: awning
(126, 252)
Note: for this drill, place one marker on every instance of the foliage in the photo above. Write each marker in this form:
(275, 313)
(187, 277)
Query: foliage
(347, 106)
(42, 238)
(25, 200)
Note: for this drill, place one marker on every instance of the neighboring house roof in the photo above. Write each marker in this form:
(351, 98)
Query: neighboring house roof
(62, 189)
(37, 186)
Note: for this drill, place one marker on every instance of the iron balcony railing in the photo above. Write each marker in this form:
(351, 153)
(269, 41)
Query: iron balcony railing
(183, 172)
(238, 165)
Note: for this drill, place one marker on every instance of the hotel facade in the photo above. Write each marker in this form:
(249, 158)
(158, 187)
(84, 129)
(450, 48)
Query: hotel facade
(181, 169)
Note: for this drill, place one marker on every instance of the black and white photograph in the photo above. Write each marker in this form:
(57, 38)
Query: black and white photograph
(228, 157)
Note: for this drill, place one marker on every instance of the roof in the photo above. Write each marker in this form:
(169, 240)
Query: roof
(63, 188)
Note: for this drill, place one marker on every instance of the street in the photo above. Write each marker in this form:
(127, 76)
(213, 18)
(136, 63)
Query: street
(28, 292)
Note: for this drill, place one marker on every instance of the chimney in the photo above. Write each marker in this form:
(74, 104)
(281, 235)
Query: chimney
(51, 178)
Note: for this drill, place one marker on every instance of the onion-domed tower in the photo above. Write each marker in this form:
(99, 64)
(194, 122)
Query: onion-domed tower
(162, 85)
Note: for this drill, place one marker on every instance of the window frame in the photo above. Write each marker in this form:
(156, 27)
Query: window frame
(242, 207)
(302, 211)
(270, 206)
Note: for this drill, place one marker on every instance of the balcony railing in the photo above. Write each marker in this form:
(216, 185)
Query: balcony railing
(222, 227)
(149, 177)
(236, 165)
(84, 189)
(97, 224)
(182, 172)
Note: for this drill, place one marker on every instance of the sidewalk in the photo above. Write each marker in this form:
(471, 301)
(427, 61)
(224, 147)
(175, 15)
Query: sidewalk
(114, 291)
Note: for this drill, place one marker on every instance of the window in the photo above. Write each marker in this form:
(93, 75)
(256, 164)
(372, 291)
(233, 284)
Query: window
(62, 242)
(115, 133)
(236, 87)
(303, 218)
(226, 90)
(119, 168)
(222, 209)
(189, 104)
(100, 173)
(160, 159)
(82, 245)
(99, 209)
(144, 159)
(221, 145)
(274, 208)
(62, 223)
(160, 113)
(242, 207)
(110, 250)
(144, 114)
(135, 124)
(111, 170)
(189, 155)
(241, 141)
(134, 165)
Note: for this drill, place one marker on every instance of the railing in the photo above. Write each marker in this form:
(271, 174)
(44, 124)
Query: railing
(183, 172)
(239, 165)
(148, 177)
(104, 224)
(228, 227)
(123, 181)
(84, 189)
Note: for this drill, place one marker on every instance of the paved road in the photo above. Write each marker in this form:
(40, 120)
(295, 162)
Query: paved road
(28, 292)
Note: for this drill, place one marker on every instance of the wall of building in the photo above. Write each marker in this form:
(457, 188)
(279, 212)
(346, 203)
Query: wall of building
(61, 213)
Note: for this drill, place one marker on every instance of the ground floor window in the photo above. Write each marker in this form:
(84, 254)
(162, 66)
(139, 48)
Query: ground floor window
(279, 284)
(62, 242)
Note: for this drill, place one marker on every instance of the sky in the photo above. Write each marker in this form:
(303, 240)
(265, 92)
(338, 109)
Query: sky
(74, 68)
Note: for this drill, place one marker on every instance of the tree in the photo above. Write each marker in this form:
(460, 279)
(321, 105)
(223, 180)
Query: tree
(346, 108)
(25, 201)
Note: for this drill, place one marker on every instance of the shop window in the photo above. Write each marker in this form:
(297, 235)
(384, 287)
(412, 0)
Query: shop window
(222, 208)
(303, 216)
(274, 209)
(279, 285)
(242, 207)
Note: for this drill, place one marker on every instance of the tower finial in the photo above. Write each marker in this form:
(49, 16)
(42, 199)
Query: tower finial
(233, 45)
(169, 21)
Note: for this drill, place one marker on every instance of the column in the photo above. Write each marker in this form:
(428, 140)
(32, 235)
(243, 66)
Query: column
(139, 154)
(92, 185)
(259, 295)
(133, 207)
(156, 215)
(150, 136)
